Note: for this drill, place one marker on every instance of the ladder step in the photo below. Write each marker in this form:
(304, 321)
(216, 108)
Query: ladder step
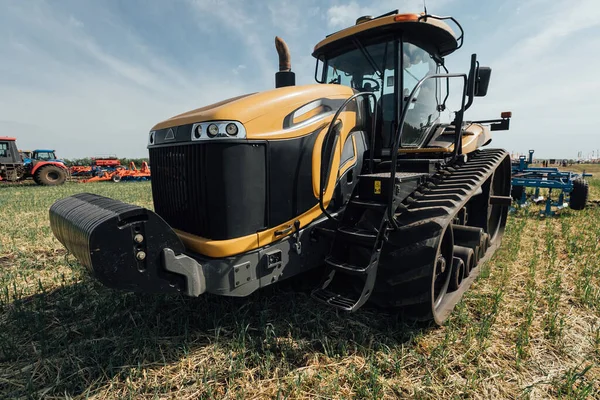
(358, 236)
(334, 299)
(374, 205)
(346, 267)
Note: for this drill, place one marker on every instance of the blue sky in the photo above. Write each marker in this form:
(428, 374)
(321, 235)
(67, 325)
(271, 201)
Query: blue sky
(92, 77)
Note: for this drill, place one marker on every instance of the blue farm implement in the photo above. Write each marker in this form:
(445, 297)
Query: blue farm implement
(572, 187)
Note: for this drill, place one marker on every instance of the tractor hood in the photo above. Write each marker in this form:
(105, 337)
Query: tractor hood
(268, 112)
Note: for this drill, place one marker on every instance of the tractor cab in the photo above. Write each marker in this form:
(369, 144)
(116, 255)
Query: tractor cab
(44, 155)
(31, 158)
(393, 56)
(8, 151)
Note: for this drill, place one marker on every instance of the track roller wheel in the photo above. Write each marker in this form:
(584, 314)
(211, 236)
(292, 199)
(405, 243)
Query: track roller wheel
(467, 255)
(458, 273)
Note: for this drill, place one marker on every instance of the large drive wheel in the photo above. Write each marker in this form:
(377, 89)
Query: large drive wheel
(579, 195)
(50, 175)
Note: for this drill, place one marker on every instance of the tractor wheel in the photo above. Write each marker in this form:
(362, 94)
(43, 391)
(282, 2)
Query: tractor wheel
(50, 175)
(579, 195)
(116, 178)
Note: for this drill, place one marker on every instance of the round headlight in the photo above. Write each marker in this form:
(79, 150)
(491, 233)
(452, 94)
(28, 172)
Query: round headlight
(213, 130)
(198, 131)
(231, 129)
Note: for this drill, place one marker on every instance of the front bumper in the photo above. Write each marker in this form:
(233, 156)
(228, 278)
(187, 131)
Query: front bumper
(131, 248)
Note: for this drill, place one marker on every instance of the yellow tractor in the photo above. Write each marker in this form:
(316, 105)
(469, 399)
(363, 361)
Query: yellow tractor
(355, 175)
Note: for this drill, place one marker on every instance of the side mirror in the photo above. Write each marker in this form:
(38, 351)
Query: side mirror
(483, 80)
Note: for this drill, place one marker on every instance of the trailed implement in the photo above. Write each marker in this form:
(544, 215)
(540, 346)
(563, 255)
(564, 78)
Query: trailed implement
(356, 176)
(572, 187)
(122, 174)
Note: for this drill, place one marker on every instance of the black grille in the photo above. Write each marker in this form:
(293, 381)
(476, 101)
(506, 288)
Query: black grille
(214, 190)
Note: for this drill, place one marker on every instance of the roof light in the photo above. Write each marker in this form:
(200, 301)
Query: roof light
(406, 17)
(506, 114)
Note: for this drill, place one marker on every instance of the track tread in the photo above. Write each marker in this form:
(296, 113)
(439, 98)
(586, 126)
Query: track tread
(400, 283)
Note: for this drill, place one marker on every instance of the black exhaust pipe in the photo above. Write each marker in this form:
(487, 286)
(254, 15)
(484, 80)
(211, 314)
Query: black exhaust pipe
(120, 244)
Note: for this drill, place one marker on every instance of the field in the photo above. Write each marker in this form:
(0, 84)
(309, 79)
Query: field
(528, 328)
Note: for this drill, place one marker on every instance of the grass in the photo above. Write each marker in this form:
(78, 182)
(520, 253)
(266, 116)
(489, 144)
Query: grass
(528, 328)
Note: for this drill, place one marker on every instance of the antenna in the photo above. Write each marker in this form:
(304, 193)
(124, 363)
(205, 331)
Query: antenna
(425, 7)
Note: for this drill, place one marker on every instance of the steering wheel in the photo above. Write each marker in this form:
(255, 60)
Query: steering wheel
(372, 89)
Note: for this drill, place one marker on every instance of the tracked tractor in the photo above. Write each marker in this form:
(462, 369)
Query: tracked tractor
(40, 165)
(356, 176)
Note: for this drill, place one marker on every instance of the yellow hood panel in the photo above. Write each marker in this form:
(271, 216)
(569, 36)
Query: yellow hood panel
(272, 106)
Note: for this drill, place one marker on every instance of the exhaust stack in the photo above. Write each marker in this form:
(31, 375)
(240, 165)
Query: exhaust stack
(285, 76)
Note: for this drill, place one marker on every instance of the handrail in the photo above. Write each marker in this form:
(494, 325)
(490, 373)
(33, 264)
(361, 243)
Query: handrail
(398, 136)
(459, 40)
(332, 125)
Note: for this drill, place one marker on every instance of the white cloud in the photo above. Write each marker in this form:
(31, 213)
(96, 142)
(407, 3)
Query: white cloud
(344, 15)
(64, 89)
(547, 77)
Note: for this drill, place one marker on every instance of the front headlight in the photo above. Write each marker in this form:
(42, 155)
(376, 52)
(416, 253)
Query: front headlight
(198, 131)
(218, 130)
(151, 137)
(231, 129)
(213, 130)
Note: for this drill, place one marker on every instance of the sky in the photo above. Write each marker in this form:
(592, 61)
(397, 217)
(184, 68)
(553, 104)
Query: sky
(91, 78)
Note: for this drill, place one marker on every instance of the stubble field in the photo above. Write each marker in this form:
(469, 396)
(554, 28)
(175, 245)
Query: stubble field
(528, 328)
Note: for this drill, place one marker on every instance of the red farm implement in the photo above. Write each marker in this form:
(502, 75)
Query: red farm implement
(125, 174)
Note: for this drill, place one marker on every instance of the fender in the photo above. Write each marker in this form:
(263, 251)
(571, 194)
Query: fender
(44, 163)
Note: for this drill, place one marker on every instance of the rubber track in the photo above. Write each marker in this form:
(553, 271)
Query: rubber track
(407, 259)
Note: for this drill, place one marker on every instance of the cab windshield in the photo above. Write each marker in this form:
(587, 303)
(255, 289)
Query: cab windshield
(44, 155)
(371, 68)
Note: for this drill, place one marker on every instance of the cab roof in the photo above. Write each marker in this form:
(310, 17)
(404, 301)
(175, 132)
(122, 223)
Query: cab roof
(427, 31)
(11, 139)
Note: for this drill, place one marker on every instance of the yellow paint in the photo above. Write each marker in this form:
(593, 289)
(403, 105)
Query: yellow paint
(262, 114)
(474, 137)
(218, 248)
(380, 23)
(231, 247)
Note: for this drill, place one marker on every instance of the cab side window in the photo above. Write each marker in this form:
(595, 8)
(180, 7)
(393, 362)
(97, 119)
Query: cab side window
(3, 149)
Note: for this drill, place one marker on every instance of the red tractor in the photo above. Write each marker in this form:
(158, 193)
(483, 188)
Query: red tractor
(45, 170)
